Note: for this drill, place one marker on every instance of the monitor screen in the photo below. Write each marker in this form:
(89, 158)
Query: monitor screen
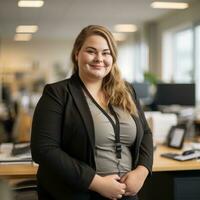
(141, 89)
(175, 93)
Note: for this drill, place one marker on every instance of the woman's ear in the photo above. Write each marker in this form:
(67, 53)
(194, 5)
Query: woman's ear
(76, 55)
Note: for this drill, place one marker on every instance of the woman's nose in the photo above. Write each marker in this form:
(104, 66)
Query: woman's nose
(98, 57)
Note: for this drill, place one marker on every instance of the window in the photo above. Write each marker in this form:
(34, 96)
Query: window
(132, 60)
(183, 56)
(177, 54)
(126, 62)
(197, 62)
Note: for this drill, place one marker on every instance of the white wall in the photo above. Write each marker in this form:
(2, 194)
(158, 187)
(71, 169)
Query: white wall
(44, 54)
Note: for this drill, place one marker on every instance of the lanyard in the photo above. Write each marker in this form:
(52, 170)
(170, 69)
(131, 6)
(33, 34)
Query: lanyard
(116, 126)
(118, 146)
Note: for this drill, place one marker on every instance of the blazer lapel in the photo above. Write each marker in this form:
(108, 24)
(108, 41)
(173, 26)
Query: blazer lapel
(139, 135)
(81, 103)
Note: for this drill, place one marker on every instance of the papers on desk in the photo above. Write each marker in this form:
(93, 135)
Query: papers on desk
(195, 145)
(15, 153)
(160, 124)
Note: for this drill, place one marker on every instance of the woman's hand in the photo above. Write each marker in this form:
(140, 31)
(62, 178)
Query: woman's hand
(134, 180)
(108, 186)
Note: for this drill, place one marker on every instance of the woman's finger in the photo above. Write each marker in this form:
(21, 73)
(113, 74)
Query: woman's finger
(119, 196)
(127, 194)
(123, 178)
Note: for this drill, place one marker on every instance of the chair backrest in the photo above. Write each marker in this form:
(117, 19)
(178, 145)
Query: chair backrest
(26, 190)
(5, 191)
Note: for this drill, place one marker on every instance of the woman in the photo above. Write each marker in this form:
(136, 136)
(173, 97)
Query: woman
(89, 134)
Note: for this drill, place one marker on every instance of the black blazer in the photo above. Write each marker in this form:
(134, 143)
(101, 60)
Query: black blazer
(62, 141)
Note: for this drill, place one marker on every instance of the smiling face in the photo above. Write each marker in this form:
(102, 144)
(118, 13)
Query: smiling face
(94, 59)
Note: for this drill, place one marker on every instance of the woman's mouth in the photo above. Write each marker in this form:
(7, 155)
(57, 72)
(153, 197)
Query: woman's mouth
(96, 66)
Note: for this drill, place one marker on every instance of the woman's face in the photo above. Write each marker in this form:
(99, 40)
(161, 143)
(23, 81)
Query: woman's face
(94, 58)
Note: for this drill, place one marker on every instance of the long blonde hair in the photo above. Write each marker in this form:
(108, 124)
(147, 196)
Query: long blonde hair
(116, 91)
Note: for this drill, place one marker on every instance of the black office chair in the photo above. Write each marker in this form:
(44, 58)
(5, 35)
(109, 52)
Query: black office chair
(26, 190)
(5, 191)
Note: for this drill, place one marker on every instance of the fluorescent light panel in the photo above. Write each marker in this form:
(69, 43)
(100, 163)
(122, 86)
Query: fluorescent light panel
(125, 28)
(119, 36)
(23, 37)
(169, 5)
(26, 29)
(30, 3)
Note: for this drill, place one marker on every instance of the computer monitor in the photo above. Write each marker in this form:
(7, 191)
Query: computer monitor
(175, 94)
(142, 90)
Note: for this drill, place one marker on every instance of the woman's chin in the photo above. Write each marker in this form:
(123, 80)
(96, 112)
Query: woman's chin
(98, 75)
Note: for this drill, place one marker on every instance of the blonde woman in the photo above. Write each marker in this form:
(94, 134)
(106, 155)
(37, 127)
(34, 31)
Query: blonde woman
(89, 134)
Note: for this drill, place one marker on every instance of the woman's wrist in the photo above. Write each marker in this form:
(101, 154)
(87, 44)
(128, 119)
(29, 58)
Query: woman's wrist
(96, 182)
(142, 170)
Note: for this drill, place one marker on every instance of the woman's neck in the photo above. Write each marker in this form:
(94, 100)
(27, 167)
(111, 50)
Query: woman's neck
(93, 86)
(95, 89)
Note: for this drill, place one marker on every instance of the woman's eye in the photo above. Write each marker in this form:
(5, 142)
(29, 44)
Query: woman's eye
(106, 53)
(90, 51)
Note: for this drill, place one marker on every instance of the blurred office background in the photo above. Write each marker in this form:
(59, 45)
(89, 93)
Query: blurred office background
(159, 54)
(156, 46)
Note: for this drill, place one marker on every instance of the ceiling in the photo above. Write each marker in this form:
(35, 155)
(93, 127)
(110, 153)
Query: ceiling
(64, 18)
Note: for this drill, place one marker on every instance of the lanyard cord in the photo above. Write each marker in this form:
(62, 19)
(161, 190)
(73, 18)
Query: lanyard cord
(118, 145)
(116, 127)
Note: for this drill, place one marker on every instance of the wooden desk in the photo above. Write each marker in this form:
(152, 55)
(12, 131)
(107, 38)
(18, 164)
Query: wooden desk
(17, 171)
(169, 177)
(172, 180)
(165, 164)
(160, 165)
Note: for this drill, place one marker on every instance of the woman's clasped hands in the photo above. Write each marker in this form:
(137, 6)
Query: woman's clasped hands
(108, 186)
(134, 180)
(114, 187)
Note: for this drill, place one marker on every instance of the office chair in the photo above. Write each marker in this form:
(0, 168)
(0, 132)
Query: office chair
(5, 191)
(25, 190)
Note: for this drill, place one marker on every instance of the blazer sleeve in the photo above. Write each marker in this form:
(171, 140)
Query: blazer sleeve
(146, 147)
(46, 141)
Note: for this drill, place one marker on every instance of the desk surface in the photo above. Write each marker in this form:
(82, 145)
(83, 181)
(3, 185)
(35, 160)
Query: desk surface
(18, 171)
(160, 164)
(165, 164)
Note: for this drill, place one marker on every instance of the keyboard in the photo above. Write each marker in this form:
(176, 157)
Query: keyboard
(180, 157)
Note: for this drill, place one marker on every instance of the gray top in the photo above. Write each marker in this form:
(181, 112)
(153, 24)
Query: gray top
(105, 157)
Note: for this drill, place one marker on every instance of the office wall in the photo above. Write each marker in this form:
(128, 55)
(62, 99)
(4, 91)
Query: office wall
(0, 75)
(149, 32)
(46, 55)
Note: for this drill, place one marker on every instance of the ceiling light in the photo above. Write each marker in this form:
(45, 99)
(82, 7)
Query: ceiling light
(125, 28)
(22, 37)
(169, 5)
(119, 36)
(26, 29)
(30, 3)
